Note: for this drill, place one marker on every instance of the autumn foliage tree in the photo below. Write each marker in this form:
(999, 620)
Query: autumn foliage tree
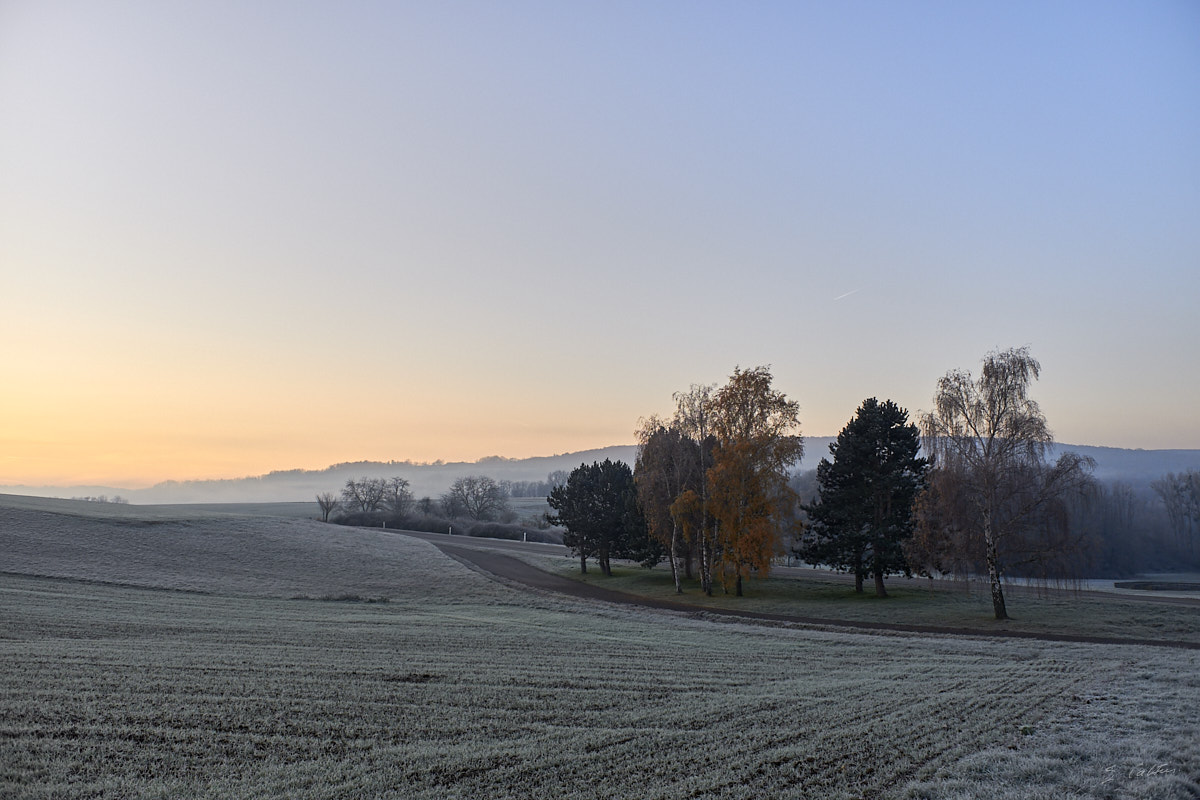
(756, 429)
(714, 479)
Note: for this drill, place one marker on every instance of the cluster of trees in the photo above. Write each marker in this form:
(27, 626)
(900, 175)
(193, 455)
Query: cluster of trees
(712, 481)
(598, 507)
(536, 488)
(709, 487)
(967, 489)
(1122, 530)
(367, 496)
(475, 497)
(1180, 494)
(977, 494)
(103, 498)
(473, 506)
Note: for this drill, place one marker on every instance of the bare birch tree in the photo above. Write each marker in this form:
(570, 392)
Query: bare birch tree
(694, 419)
(988, 439)
(667, 465)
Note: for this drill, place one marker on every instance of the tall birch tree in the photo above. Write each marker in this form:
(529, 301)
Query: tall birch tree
(694, 417)
(988, 441)
(667, 465)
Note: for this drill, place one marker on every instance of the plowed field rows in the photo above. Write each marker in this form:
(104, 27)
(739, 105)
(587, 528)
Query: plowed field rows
(460, 687)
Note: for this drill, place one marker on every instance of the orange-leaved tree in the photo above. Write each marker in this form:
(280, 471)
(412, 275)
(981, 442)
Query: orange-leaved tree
(757, 442)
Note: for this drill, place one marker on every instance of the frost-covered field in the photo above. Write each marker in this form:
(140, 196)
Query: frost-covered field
(197, 550)
(462, 687)
(948, 604)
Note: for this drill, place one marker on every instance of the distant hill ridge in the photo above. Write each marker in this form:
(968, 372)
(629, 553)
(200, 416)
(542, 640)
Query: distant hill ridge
(1136, 467)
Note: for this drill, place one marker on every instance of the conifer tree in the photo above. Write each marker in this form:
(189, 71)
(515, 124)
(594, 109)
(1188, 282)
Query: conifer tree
(598, 507)
(864, 510)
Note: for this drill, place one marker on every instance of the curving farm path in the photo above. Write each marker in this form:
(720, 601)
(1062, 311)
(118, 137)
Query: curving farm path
(512, 569)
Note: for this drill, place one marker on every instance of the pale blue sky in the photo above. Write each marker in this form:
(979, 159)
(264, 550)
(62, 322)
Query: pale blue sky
(240, 237)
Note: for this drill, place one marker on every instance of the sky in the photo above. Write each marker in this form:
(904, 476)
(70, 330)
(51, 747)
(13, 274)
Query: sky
(241, 237)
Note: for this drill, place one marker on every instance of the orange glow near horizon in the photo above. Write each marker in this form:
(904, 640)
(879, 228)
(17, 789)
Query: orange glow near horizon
(121, 442)
(137, 464)
(298, 255)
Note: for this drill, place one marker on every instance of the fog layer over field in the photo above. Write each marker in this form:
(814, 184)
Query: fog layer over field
(461, 686)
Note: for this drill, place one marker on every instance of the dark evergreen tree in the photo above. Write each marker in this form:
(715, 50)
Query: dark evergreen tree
(864, 508)
(598, 507)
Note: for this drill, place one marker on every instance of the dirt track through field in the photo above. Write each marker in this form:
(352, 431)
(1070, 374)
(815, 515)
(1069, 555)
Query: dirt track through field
(517, 571)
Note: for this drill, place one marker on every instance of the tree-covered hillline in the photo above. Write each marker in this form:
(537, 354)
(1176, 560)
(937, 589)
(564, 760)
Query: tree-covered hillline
(1137, 468)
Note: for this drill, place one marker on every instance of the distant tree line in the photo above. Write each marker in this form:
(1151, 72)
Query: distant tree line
(473, 505)
(1180, 495)
(102, 498)
(536, 488)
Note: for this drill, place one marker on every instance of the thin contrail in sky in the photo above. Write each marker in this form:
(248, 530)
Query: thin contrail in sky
(847, 294)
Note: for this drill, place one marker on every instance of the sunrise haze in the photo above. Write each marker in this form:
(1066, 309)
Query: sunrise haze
(236, 238)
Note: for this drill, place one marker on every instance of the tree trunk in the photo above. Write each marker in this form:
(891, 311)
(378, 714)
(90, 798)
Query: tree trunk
(706, 580)
(877, 568)
(993, 566)
(674, 564)
(583, 564)
(858, 580)
(739, 584)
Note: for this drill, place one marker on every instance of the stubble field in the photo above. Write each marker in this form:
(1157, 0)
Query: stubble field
(460, 686)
